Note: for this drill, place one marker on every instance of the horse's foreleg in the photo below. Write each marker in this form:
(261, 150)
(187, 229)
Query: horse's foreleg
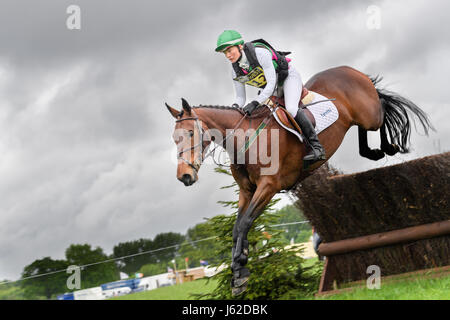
(244, 201)
(246, 191)
(262, 196)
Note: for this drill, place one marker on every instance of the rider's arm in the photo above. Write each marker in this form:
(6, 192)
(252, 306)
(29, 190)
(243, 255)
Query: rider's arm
(239, 88)
(264, 57)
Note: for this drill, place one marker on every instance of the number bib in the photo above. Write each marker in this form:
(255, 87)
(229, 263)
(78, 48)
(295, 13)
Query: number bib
(254, 78)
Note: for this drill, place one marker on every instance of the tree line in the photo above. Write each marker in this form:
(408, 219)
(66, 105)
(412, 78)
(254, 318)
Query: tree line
(45, 278)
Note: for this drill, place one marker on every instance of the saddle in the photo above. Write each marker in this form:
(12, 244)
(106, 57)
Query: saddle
(285, 117)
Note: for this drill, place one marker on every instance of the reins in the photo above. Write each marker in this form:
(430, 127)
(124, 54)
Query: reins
(201, 158)
(223, 141)
(248, 142)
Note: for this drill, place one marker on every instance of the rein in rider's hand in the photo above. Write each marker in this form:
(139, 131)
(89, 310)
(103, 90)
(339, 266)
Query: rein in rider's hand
(249, 108)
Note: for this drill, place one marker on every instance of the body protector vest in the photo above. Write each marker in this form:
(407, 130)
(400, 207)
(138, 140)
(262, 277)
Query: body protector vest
(254, 75)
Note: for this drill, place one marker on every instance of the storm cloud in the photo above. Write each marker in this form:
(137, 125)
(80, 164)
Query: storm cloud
(85, 138)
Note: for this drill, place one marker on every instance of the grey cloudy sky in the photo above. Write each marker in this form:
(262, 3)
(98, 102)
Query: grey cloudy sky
(85, 139)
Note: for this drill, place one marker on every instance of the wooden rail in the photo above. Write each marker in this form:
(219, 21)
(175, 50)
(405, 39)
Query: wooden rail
(425, 231)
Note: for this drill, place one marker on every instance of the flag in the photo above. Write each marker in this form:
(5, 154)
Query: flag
(138, 275)
(123, 276)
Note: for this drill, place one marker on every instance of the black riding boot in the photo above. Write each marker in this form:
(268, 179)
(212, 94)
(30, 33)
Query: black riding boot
(317, 151)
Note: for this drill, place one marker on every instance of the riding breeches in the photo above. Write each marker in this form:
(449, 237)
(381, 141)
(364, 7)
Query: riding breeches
(292, 89)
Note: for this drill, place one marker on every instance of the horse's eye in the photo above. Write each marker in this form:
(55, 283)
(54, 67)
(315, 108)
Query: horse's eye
(191, 133)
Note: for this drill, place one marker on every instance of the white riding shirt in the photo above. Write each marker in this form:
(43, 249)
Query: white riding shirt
(292, 86)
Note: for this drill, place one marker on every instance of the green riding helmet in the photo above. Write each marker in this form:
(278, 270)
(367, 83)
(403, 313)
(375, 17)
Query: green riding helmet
(228, 38)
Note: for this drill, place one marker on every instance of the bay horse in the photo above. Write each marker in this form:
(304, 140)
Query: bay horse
(359, 102)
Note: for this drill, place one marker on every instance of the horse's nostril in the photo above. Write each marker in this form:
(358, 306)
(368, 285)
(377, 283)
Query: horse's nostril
(186, 179)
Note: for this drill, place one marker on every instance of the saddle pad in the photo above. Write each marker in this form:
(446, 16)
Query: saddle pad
(324, 111)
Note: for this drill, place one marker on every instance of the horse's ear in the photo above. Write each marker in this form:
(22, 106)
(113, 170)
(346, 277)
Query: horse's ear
(175, 113)
(186, 106)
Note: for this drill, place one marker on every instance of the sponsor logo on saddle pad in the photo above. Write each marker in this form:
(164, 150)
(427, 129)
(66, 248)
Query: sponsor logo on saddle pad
(325, 113)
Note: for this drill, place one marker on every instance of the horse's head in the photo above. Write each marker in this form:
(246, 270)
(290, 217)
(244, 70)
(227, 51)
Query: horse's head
(189, 136)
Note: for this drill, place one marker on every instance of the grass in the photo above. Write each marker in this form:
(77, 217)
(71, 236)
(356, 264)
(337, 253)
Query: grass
(175, 292)
(183, 291)
(414, 289)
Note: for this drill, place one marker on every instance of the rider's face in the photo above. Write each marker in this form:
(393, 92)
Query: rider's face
(233, 53)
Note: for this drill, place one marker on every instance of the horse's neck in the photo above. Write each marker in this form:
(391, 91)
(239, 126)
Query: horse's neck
(219, 119)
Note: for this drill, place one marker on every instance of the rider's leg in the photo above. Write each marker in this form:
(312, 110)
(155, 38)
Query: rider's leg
(292, 92)
(292, 89)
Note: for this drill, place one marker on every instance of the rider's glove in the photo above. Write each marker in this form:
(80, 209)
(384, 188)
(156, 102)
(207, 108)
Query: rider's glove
(249, 108)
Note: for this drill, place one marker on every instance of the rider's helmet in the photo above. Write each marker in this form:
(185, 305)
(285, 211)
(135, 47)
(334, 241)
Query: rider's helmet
(228, 38)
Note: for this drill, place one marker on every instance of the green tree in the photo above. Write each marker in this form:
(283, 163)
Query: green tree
(275, 272)
(298, 232)
(11, 291)
(95, 272)
(132, 264)
(167, 246)
(52, 280)
(152, 269)
(197, 250)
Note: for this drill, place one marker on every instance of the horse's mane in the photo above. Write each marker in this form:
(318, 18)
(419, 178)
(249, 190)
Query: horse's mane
(260, 112)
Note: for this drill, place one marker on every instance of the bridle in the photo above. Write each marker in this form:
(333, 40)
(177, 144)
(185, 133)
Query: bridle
(200, 158)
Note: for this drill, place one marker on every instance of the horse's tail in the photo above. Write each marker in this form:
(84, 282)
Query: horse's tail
(396, 118)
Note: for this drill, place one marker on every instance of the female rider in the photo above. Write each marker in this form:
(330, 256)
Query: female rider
(257, 64)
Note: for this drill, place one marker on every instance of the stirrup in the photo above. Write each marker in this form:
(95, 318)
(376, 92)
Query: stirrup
(315, 155)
